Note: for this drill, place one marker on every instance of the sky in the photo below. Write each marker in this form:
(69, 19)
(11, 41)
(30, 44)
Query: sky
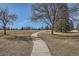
(23, 11)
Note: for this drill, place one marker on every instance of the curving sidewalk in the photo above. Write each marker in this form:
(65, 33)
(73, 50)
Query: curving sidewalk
(39, 47)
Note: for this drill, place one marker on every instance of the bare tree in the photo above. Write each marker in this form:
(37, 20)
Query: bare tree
(45, 12)
(6, 18)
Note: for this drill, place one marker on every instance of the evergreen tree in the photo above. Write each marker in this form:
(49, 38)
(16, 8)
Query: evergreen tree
(71, 25)
(62, 24)
(77, 26)
(47, 28)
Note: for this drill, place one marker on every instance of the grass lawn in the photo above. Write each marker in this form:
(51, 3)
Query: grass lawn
(17, 32)
(62, 45)
(16, 43)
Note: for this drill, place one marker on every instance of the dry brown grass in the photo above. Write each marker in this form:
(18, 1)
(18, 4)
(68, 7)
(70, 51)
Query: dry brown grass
(16, 43)
(60, 45)
(17, 32)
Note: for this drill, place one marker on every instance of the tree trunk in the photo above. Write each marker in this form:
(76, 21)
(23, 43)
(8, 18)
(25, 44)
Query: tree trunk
(52, 28)
(4, 30)
(53, 19)
(52, 32)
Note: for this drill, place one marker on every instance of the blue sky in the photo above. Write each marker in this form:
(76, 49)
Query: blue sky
(24, 12)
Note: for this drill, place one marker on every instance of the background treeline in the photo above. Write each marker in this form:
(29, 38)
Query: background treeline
(28, 28)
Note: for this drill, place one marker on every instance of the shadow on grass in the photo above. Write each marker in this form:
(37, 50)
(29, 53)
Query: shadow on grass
(58, 36)
(66, 35)
(16, 38)
(71, 32)
(1, 35)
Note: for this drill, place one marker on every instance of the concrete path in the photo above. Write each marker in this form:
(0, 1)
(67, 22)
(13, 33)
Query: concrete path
(39, 47)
